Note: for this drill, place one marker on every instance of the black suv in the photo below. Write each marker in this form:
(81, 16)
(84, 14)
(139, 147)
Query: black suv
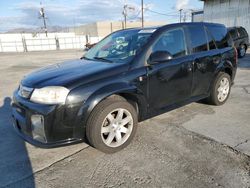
(104, 94)
(240, 39)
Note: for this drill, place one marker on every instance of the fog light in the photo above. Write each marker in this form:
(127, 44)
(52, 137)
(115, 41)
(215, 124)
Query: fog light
(37, 124)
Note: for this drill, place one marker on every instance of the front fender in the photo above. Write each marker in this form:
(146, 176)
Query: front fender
(106, 91)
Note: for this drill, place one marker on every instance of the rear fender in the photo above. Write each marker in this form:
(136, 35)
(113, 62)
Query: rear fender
(227, 65)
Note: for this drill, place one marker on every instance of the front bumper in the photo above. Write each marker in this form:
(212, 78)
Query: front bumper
(59, 128)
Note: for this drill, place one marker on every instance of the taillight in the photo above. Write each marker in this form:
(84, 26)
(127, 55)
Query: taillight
(236, 55)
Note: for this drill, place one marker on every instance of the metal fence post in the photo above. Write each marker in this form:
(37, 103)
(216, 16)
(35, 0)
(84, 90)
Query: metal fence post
(1, 45)
(24, 45)
(57, 43)
(16, 46)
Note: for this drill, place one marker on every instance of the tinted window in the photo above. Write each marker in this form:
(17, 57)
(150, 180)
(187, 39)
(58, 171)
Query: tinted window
(241, 32)
(233, 33)
(172, 41)
(198, 38)
(211, 42)
(244, 30)
(220, 35)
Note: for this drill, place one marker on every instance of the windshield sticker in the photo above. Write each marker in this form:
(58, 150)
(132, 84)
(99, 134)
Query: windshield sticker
(147, 31)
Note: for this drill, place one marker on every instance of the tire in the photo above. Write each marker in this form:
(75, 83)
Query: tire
(219, 93)
(242, 51)
(105, 130)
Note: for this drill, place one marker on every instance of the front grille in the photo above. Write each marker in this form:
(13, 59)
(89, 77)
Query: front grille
(25, 92)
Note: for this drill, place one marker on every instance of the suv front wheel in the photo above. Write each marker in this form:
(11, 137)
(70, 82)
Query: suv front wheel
(112, 125)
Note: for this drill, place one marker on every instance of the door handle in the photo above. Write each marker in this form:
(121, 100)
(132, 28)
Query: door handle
(142, 78)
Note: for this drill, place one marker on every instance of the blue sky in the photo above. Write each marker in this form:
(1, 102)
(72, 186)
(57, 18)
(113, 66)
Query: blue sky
(25, 13)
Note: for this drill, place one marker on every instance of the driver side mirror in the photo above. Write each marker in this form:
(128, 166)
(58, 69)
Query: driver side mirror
(160, 56)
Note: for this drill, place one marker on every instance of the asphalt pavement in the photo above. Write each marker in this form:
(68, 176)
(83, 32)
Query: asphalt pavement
(197, 145)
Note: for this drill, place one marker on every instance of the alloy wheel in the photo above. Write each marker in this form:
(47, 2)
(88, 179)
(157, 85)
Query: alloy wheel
(223, 89)
(117, 127)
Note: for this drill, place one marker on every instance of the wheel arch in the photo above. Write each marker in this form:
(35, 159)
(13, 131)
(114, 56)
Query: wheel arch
(129, 92)
(227, 67)
(243, 43)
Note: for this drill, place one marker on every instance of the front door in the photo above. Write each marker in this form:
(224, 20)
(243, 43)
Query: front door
(170, 82)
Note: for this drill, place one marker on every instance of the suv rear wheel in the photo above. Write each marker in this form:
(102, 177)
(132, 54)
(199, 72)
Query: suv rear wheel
(220, 89)
(112, 125)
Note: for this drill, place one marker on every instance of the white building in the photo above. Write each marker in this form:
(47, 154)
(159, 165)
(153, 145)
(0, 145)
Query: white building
(102, 29)
(228, 12)
(197, 16)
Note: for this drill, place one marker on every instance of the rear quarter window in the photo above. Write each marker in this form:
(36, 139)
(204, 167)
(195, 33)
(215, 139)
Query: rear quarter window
(245, 32)
(242, 32)
(233, 33)
(220, 35)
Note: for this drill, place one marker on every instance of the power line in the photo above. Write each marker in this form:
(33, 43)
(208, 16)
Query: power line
(135, 16)
(164, 14)
(126, 8)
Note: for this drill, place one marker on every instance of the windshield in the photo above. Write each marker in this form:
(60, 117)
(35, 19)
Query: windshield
(119, 47)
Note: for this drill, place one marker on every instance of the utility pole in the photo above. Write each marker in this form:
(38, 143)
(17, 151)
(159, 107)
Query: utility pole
(125, 13)
(180, 14)
(142, 13)
(42, 13)
(185, 17)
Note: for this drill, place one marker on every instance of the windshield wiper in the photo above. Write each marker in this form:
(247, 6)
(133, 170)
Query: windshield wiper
(83, 57)
(103, 59)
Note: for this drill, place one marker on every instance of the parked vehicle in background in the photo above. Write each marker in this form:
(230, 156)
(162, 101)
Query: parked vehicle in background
(104, 94)
(240, 39)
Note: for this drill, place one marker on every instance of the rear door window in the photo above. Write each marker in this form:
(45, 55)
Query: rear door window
(198, 39)
(220, 35)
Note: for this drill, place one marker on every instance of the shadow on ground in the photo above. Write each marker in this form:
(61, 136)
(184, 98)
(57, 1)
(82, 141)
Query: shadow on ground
(14, 158)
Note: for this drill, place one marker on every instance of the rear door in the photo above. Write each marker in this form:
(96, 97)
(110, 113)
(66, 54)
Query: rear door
(235, 35)
(206, 57)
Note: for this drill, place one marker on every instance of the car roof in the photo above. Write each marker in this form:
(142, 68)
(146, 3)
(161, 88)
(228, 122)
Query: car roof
(141, 28)
(231, 28)
(174, 25)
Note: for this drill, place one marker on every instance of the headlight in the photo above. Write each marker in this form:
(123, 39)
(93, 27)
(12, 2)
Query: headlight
(50, 95)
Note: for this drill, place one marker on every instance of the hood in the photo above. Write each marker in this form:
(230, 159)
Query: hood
(70, 73)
